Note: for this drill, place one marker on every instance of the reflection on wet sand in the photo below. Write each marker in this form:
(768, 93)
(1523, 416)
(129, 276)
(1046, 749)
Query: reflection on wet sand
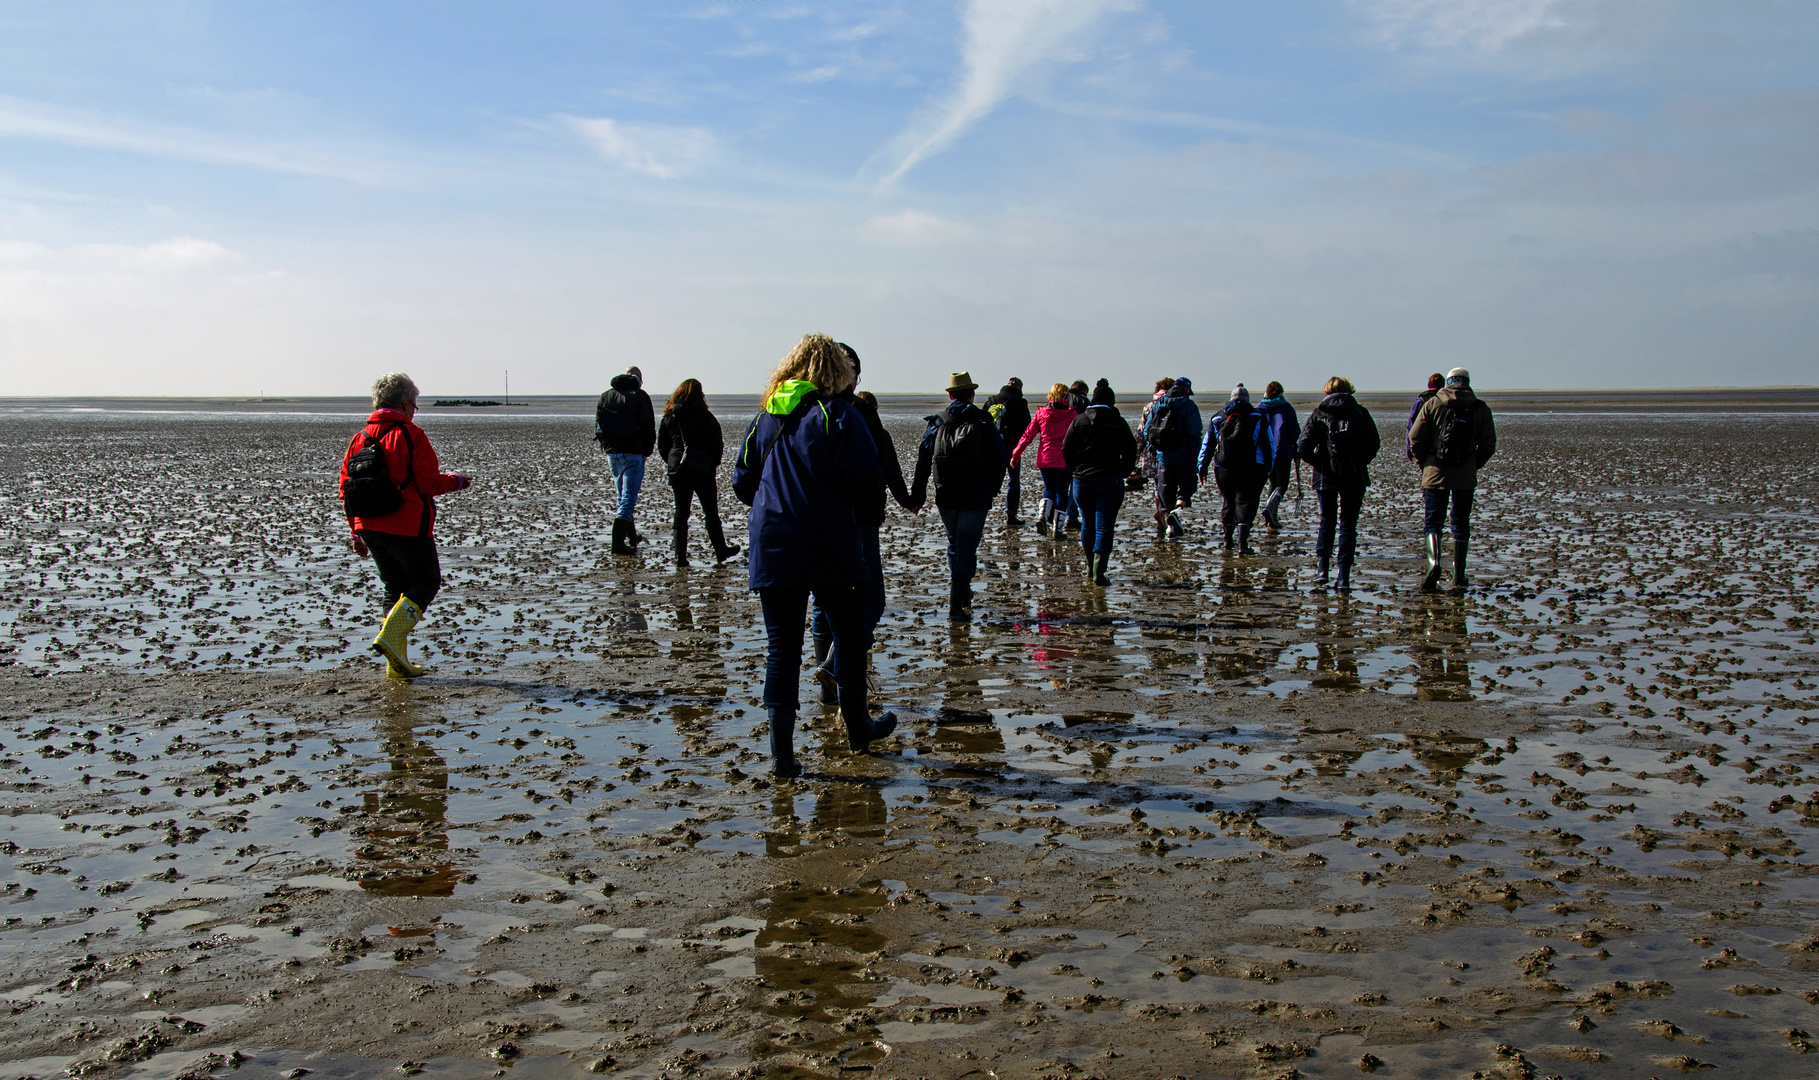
(1335, 645)
(404, 841)
(1440, 645)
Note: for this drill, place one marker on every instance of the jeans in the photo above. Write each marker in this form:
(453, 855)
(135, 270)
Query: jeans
(1098, 498)
(785, 608)
(1338, 506)
(1434, 518)
(822, 627)
(964, 528)
(628, 480)
(1013, 492)
(1241, 491)
(407, 565)
(1056, 483)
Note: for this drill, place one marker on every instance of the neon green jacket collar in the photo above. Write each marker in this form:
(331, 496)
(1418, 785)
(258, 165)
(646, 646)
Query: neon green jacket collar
(789, 396)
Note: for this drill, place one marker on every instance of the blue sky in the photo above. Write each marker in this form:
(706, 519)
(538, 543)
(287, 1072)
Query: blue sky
(290, 197)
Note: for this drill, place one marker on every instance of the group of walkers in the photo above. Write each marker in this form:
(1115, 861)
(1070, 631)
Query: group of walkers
(816, 467)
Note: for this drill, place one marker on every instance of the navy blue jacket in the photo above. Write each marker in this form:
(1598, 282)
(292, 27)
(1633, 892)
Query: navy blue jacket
(1181, 402)
(804, 465)
(973, 493)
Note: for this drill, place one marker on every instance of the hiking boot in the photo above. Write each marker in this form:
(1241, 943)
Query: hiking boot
(1174, 524)
(784, 765)
(1459, 582)
(725, 553)
(1431, 545)
(393, 641)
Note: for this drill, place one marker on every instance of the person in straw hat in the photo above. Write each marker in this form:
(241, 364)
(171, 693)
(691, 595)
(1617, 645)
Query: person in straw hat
(967, 457)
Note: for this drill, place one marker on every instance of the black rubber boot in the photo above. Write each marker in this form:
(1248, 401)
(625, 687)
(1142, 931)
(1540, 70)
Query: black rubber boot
(1228, 538)
(1244, 539)
(960, 604)
(1323, 572)
(679, 535)
(717, 537)
(1343, 582)
(784, 765)
(622, 531)
(1431, 547)
(1459, 582)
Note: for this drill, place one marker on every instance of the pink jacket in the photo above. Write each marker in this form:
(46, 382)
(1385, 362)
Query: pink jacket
(1052, 421)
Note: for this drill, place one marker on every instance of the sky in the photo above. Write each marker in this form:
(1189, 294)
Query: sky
(294, 196)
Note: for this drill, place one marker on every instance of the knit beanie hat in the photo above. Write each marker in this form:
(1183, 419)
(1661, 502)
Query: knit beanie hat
(1458, 377)
(1241, 394)
(1102, 394)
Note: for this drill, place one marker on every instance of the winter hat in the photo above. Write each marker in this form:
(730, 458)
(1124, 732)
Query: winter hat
(1102, 394)
(1185, 383)
(1241, 394)
(1016, 382)
(1436, 381)
(1458, 377)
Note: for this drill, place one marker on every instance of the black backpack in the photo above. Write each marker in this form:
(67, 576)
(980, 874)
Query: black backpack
(1455, 441)
(610, 423)
(1163, 433)
(1238, 441)
(370, 492)
(1343, 446)
(963, 452)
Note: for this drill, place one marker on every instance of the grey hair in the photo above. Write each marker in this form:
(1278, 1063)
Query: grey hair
(393, 390)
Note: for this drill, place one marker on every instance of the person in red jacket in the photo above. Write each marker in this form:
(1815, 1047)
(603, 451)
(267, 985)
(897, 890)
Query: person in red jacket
(401, 542)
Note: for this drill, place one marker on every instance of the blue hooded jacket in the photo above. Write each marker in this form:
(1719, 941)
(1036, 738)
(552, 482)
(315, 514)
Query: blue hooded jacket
(803, 466)
(1180, 401)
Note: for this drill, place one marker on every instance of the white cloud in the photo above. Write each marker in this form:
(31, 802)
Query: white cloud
(31, 120)
(914, 227)
(1002, 41)
(820, 74)
(658, 150)
(1485, 26)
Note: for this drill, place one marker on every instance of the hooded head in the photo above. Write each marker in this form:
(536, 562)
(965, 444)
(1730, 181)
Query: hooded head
(1239, 393)
(1102, 394)
(636, 374)
(1459, 377)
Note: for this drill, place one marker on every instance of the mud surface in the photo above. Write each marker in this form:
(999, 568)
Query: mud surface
(1206, 822)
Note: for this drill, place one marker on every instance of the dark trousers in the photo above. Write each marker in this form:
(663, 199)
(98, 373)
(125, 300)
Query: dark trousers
(1013, 492)
(1098, 498)
(785, 609)
(1056, 485)
(693, 483)
(408, 566)
(1338, 508)
(1173, 483)
(1435, 506)
(822, 628)
(964, 528)
(1241, 492)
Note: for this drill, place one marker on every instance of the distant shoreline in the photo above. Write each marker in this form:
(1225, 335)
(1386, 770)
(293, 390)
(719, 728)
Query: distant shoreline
(1677, 400)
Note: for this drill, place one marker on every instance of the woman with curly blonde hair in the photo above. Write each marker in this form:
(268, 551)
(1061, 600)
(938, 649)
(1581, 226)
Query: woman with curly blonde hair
(806, 462)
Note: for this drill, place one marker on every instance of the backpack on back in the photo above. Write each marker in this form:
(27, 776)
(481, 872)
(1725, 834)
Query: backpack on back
(1343, 444)
(1238, 441)
(963, 452)
(1455, 440)
(610, 423)
(370, 492)
(1163, 432)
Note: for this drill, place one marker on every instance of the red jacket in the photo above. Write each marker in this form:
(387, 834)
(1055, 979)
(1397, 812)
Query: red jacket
(411, 461)
(1052, 422)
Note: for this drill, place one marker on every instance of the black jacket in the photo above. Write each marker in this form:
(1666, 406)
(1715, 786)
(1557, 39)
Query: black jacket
(627, 397)
(1016, 414)
(1333, 409)
(689, 438)
(869, 509)
(1100, 443)
(976, 490)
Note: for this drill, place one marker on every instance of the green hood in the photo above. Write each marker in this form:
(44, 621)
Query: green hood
(788, 397)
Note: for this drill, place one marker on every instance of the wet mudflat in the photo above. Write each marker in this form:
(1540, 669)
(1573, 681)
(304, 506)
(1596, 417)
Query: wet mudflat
(1206, 822)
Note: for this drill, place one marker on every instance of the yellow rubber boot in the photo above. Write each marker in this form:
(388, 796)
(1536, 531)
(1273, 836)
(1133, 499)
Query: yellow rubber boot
(393, 641)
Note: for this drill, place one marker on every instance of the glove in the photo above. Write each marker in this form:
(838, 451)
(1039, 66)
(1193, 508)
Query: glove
(358, 545)
(462, 483)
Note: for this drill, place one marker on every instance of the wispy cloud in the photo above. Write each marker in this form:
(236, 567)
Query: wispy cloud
(658, 150)
(1485, 26)
(915, 227)
(21, 119)
(1001, 42)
